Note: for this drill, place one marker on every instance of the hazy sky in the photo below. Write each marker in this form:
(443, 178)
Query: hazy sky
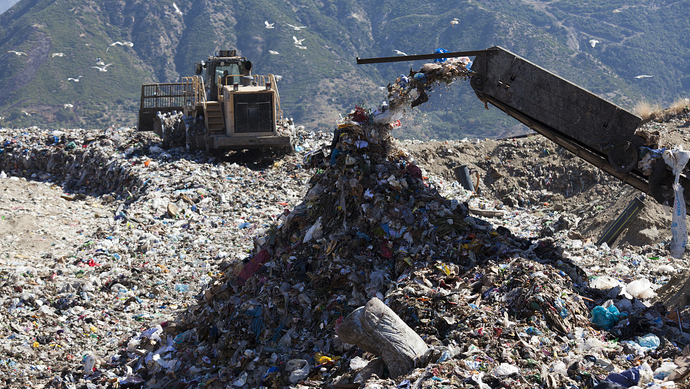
(6, 4)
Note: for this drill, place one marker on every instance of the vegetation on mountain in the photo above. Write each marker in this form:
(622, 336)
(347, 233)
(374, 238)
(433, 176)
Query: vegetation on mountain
(601, 45)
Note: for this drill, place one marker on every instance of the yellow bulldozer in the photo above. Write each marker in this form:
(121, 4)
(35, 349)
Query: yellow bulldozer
(223, 107)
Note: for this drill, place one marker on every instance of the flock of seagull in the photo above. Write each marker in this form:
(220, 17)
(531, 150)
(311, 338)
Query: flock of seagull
(100, 65)
(298, 42)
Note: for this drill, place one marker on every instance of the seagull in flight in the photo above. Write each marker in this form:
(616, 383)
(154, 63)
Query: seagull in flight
(643, 76)
(268, 25)
(102, 68)
(454, 21)
(68, 105)
(278, 77)
(18, 53)
(297, 41)
(273, 52)
(118, 43)
(301, 47)
(177, 10)
(57, 55)
(398, 52)
(296, 28)
(593, 42)
(74, 79)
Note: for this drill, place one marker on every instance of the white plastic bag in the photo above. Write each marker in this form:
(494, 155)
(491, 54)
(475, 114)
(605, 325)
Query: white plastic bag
(506, 369)
(314, 232)
(641, 289)
(677, 159)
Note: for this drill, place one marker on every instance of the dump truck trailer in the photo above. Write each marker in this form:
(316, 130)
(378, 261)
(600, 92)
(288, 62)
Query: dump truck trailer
(587, 125)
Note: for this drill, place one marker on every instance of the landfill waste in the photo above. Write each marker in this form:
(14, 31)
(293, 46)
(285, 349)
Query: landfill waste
(375, 328)
(605, 316)
(129, 264)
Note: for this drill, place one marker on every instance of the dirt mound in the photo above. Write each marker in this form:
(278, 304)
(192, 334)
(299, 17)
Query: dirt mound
(530, 170)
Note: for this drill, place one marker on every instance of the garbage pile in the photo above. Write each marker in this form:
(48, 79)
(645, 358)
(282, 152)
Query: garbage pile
(197, 271)
(96, 265)
(92, 162)
(496, 310)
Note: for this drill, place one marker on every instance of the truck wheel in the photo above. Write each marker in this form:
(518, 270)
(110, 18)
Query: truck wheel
(623, 157)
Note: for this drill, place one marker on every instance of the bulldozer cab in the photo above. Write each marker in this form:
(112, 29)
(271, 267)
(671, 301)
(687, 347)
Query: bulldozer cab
(220, 73)
(228, 74)
(225, 69)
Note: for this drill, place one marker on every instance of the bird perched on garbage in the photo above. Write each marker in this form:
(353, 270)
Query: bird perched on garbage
(593, 42)
(273, 52)
(57, 55)
(18, 53)
(74, 79)
(296, 28)
(268, 25)
(118, 43)
(102, 68)
(297, 41)
(177, 10)
(398, 52)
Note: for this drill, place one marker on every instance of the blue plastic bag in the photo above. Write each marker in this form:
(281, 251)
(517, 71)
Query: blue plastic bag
(625, 378)
(439, 51)
(649, 341)
(605, 318)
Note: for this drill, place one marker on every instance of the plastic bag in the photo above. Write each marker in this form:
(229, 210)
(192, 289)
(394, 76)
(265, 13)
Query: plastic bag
(377, 329)
(664, 370)
(605, 318)
(506, 369)
(677, 159)
(604, 283)
(641, 289)
(649, 341)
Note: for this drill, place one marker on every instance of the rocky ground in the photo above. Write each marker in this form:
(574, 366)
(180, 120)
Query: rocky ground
(124, 264)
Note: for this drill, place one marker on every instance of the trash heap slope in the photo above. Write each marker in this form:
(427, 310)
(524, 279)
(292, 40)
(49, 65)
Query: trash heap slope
(369, 226)
(498, 302)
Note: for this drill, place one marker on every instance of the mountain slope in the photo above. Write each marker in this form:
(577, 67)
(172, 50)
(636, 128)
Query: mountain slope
(6, 4)
(323, 80)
